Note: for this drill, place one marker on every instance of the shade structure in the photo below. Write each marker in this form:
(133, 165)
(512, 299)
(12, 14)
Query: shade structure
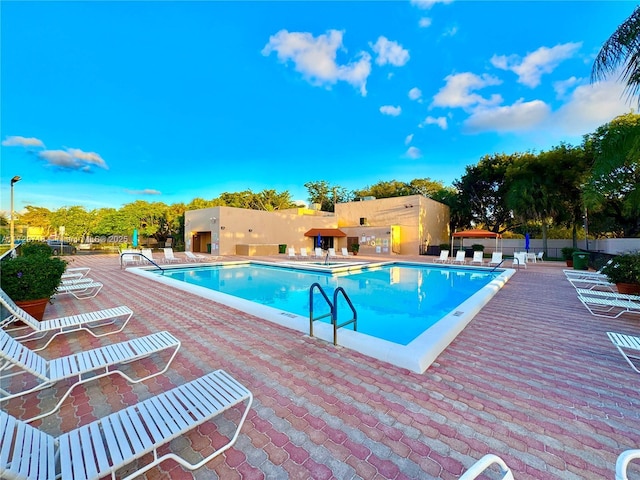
(476, 234)
(325, 232)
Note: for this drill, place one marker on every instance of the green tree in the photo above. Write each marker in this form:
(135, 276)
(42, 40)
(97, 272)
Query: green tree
(326, 195)
(386, 189)
(614, 185)
(622, 49)
(483, 189)
(38, 217)
(77, 222)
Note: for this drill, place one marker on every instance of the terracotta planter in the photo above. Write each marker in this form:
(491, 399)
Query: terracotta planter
(35, 308)
(569, 263)
(629, 288)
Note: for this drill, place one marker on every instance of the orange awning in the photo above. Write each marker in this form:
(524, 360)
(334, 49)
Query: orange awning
(477, 234)
(325, 232)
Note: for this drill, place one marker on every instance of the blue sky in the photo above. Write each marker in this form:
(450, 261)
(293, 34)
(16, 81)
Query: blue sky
(106, 103)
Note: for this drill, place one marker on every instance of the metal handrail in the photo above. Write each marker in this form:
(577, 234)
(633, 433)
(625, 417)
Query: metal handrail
(333, 310)
(494, 268)
(324, 295)
(354, 320)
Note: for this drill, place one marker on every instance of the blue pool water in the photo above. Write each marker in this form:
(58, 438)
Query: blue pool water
(394, 302)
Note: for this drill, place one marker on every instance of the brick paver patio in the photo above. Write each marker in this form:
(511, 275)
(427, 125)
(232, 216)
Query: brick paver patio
(533, 378)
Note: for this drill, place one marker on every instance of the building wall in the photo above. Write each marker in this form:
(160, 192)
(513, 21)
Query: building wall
(231, 226)
(416, 220)
(421, 221)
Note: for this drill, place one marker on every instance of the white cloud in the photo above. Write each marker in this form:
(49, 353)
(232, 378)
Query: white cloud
(72, 159)
(535, 64)
(413, 152)
(424, 22)
(18, 141)
(146, 191)
(521, 116)
(415, 93)
(459, 87)
(427, 4)
(409, 138)
(391, 110)
(590, 106)
(439, 121)
(315, 58)
(562, 87)
(389, 51)
(450, 32)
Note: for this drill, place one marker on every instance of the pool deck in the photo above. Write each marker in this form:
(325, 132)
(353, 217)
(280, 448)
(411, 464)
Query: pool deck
(533, 378)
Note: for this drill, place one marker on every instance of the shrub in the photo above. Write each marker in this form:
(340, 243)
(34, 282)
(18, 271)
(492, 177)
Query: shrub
(624, 268)
(476, 247)
(31, 276)
(35, 248)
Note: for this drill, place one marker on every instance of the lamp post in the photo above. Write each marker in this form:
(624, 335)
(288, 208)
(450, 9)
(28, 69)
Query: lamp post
(13, 238)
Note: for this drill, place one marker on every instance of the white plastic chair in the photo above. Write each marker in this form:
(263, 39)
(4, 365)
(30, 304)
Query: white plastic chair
(443, 258)
(460, 257)
(169, 257)
(318, 253)
(292, 254)
(606, 304)
(303, 253)
(477, 258)
(485, 463)
(332, 253)
(496, 258)
(63, 325)
(192, 257)
(100, 448)
(622, 464)
(345, 252)
(18, 361)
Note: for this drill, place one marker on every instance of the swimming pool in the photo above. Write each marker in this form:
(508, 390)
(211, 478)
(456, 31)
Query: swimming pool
(407, 313)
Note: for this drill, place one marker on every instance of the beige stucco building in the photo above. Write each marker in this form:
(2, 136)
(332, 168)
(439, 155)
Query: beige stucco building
(399, 225)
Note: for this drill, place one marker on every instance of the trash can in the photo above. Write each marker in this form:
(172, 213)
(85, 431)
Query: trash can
(580, 261)
(282, 248)
(208, 248)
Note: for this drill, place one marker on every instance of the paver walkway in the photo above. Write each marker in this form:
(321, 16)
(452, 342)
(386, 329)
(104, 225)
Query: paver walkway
(533, 378)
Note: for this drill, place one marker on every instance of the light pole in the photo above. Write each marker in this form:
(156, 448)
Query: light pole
(13, 238)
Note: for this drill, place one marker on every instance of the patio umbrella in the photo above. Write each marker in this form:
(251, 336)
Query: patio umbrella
(526, 241)
(319, 244)
(135, 237)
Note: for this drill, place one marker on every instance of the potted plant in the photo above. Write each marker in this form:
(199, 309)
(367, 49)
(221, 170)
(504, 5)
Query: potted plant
(355, 248)
(32, 278)
(624, 271)
(567, 255)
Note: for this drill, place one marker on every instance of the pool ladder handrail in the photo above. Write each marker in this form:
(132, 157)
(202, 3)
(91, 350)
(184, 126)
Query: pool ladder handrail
(333, 306)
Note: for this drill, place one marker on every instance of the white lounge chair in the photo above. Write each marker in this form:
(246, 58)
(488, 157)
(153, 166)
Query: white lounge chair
(477, 258)
(484, 464)
(519, 259)
(496, 258)
(332, 253)
(460, 257)
(344, 251)
(628, 346)
(622, 464)
(76, 272)
(303, 253)
(38, 373)
(592, 283)
(606, 304)
(443, 258)
(318, 253)
(192, 257)
(540, 256)
(100, 448)
(80, 290)
(292, 254)
(169, 257)
(76, 281)
(147, 256)
(62, 325)
(129, 257)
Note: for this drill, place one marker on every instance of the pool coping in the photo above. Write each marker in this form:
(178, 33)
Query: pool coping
(416, 356)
